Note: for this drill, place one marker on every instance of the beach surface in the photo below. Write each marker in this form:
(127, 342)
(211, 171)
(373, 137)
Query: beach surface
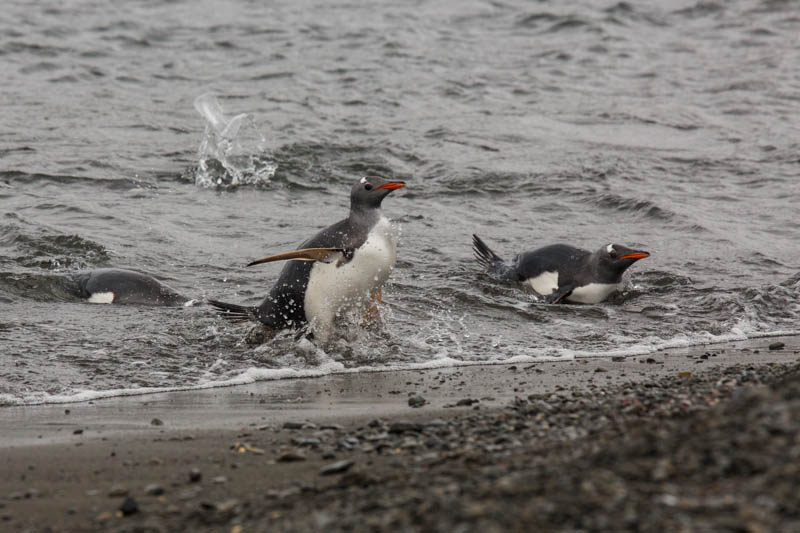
(694, 438)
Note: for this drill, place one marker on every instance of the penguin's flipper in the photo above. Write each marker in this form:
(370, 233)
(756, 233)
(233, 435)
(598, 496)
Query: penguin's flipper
(560, 295)
(325, 255)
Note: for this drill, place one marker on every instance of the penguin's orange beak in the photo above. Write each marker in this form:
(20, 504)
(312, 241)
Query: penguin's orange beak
(392, 185)
(635, 255)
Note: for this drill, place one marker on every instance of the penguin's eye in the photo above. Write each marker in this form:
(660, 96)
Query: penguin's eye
(368, 186)
(612, 253)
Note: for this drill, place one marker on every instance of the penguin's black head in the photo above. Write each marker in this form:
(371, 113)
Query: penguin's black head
(614, 259)
(369, 191)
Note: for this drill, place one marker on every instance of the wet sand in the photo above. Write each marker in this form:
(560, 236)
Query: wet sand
(586, 444)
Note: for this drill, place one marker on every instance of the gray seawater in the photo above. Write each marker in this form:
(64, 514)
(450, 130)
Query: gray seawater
(670, 126)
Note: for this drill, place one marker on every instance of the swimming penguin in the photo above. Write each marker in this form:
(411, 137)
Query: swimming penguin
(121, 286)
(560, 272)
(342, 267)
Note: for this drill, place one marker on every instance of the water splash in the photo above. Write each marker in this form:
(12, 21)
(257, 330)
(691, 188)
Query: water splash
(233, 151)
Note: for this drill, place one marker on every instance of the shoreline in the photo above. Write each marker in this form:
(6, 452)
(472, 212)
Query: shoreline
(348, 394)
(71, 466)
(752, 342)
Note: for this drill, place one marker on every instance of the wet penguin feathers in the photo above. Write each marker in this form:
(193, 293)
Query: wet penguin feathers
(492, 262)
(561, 272)
(339, 267)
(123, 286)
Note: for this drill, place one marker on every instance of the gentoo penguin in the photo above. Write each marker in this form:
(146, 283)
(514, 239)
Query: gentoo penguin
(340, 268)
(560, 272)
(121, 286)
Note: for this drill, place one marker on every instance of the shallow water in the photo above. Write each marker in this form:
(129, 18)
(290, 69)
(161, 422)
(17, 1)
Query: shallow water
(669, 126)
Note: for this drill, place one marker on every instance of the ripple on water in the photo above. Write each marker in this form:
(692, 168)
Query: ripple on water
(531, 123)
(38, 248)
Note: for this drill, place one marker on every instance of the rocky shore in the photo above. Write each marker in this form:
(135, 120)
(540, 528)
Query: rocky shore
(704, 440)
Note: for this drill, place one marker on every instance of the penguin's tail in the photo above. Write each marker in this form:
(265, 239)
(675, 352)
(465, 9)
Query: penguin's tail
(234, 312)
(492, 262)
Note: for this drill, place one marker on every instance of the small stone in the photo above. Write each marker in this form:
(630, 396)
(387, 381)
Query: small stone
(156, 422)
(243, 447)
(293, 425)
(117, 490)
(308, 443)
(329, 454)
(336, 468)
(465, 402)
(195, 475)
(777, 346)
(228, 506)
(77, 432)
(600, 369)
(129, 507)
(416, 401)
(291, 456)
(154, 489)
(219, 480)
(402, 427)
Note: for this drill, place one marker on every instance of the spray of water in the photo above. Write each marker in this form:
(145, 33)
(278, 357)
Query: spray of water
(233, 151)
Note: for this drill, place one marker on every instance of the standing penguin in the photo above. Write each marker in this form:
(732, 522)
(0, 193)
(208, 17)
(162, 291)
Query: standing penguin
(560, 272)
(341, 268)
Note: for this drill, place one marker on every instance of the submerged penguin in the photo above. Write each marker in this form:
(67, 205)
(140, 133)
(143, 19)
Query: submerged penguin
(121, 286)
(341, 268)
(560, 272)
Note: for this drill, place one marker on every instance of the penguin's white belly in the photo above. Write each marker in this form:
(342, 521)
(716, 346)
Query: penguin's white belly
(593, 293)
(101, 298)
(333, 289)
(545, 283)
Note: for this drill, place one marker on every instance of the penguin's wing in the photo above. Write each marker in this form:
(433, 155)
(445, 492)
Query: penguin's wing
(560, 295)
(326, 255)
(339, 235)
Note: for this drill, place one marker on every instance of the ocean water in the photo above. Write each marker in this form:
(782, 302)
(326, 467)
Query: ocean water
(669, 126)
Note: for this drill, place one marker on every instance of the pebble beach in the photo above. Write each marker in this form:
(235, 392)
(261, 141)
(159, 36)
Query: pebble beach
(697, 439)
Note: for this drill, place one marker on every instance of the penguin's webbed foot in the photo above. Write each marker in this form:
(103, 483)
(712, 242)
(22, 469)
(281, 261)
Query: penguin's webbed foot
(372, 315)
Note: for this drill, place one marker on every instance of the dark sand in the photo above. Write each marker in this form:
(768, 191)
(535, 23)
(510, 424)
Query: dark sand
(696, 439)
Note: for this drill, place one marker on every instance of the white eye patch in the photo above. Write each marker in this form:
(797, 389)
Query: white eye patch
(363, 180)
(610, 248)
